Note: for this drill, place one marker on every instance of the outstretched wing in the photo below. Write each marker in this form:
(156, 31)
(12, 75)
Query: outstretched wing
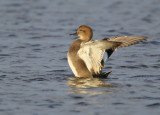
(127, 40)
(92, 53)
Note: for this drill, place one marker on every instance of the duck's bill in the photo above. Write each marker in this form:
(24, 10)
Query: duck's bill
(75, 34)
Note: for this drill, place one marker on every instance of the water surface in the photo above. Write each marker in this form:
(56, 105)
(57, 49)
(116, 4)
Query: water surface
(35, 78)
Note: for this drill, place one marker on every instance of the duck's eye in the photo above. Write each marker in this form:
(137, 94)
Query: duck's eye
(81, 30)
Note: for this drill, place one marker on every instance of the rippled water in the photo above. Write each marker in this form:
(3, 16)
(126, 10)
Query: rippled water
(35, 78)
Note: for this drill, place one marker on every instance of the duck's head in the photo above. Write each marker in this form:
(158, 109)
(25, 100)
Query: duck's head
(84, 32)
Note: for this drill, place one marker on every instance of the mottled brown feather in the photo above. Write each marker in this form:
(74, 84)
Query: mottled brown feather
(127, 40)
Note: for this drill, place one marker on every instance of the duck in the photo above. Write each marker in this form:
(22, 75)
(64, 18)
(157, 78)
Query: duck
(86, 56)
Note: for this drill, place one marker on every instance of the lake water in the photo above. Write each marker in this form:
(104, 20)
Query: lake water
(35, 78)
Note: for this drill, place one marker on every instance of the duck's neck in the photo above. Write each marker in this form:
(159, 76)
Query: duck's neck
(85, 38)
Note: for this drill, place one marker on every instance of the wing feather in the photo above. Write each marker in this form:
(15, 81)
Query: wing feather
(127, 40)
(92, 53)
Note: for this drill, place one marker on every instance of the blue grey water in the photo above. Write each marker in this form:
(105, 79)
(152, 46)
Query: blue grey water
(35, 78)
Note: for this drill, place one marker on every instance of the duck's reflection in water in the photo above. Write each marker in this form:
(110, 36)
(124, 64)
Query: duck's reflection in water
(88, 85)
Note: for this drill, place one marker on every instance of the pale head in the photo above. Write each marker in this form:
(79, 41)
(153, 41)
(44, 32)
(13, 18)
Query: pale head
(85, 33)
